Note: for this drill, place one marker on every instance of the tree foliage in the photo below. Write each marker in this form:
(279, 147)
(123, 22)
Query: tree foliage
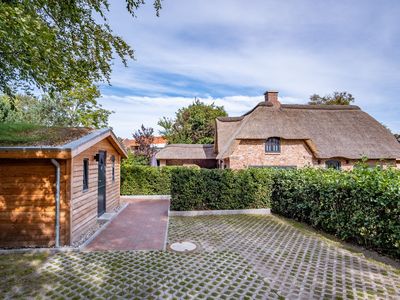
(53, 45)
(74, 108)
(337, 98)
(144, 137)
(194, 124)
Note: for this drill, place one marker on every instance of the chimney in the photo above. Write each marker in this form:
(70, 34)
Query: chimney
(271, 98)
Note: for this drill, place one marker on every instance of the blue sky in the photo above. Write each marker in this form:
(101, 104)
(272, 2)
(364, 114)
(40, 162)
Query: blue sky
(230, 52)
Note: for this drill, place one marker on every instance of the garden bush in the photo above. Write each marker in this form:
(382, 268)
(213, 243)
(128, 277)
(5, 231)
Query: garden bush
(203, 189)
(145, 180)
(362, 205)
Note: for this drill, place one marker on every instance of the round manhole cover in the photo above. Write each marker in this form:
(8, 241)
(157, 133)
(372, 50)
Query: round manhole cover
(183, 246)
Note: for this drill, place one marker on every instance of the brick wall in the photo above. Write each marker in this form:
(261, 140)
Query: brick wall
(252, 153)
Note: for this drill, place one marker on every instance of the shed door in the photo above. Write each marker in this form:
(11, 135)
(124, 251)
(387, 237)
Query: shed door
(101, 195)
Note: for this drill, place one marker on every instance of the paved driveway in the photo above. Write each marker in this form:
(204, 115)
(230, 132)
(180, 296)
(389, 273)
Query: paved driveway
(240, 257)
(140, 226)
(295, 263)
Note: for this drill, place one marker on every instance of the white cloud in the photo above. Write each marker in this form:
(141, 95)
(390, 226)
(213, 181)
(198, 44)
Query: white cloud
(296, 47)
(133, 111)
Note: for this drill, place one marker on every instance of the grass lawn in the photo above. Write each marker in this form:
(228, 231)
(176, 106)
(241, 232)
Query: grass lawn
(34, 135)
(17, 272)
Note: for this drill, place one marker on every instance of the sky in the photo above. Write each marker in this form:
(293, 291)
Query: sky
(229, 52)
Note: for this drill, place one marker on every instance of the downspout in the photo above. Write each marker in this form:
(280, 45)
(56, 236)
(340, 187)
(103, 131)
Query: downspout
(57, 165)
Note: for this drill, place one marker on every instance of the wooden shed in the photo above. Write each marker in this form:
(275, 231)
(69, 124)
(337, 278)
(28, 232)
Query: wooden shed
(53, 195)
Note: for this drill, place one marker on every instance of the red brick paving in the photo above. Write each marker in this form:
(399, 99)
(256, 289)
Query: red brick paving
(140, 226)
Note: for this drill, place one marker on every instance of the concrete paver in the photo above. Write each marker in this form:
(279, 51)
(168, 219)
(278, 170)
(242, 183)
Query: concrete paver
(238, 257)
(296, 263)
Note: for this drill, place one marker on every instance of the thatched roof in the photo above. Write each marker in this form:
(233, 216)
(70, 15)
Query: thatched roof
(187, 151)
(157, 141)
(332, 130)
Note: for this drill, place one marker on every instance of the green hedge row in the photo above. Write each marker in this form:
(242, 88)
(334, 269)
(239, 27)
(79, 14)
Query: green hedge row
(145, 180)
(203, 189)
(361, 206)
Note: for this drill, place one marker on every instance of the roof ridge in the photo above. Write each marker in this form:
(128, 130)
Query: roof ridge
(230, 119)
(320, 106)
(191, 145)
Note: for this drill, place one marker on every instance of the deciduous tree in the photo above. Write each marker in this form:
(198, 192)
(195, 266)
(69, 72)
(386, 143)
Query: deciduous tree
(144, 137)
(53, 45)
(74, 108)
(194, 124)
(337, 98)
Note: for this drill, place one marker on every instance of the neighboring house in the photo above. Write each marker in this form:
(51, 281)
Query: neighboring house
(202, 155)
(293, 136)
(87, 185)
(159, 142)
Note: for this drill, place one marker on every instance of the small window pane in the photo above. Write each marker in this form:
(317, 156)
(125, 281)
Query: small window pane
(113, 168)
(273, 145)
(85, 174)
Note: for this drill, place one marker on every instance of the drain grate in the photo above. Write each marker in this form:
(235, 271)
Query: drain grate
(183, 246)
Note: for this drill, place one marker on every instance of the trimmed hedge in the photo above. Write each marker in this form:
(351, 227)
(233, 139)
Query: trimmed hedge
(203, 189)
(362, 205)
(145, 180)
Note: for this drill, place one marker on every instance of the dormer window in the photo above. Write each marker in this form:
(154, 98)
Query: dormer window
(273, 145)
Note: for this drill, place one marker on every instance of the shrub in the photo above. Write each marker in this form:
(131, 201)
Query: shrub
(202, 189)
(362, 205)
(145, 180)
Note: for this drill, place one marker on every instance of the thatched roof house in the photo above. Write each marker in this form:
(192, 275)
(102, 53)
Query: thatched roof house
(281, 135)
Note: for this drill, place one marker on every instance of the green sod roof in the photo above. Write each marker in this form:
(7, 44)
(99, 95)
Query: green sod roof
(35, 135)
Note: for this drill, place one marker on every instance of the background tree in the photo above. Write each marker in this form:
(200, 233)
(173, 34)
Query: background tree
(194, 124)
(74, 108)
(53, 45)
(337, 98)
(144, 137)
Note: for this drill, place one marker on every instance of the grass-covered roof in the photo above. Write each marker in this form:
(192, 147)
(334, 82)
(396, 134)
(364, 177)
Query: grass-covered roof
(36, 135)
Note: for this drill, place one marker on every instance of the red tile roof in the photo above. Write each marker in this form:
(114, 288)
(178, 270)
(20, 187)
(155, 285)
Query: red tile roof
(132, 143)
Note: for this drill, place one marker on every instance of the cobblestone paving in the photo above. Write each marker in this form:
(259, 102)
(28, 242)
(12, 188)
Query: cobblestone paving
(152, 275)
(296, 264)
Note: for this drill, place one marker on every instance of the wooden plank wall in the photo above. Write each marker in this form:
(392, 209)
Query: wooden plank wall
(84, 203)
(27, 203)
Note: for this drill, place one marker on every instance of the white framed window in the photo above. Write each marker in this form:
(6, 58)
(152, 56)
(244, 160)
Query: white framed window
(273, 145)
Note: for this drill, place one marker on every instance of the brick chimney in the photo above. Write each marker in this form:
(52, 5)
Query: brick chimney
(271, 98)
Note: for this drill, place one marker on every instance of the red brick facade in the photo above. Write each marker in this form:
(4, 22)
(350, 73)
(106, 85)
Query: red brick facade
(294, 153)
